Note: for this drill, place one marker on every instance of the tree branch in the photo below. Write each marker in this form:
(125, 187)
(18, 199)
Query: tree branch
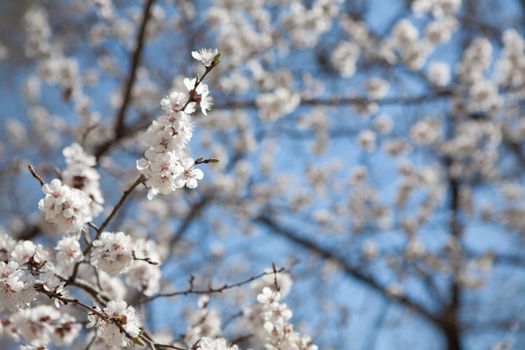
(210, 290)
(132, 74)
(349, 270)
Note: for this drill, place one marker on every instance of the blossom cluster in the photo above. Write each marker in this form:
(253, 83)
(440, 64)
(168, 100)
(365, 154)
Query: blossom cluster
(75, 199)
(27, 267)
(116, 253)
(81, 174)
(119, 326)
(166, 165)
(68, 208)
(279, 333)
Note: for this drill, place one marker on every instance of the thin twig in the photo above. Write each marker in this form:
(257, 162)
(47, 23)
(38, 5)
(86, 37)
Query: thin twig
(211, 290)
(35, 175)
(106, 222)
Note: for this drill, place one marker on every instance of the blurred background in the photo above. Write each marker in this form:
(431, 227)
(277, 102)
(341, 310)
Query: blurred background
(372, 148)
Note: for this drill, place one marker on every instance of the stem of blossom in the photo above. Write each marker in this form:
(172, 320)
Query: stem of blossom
(40, 288)
(35, 175)
(147, 260)
(90, 290)
(241, 338)
(201, 160)
(93, 226)
(167, 346)
(125, 195)
(215, 62)
(153, 345)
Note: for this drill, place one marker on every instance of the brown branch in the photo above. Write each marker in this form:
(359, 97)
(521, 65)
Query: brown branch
(193, 213)
(104, 224)
(129, 131)
(341, 101)
(450, 312)
(54, 295)
(210, 290)
(29, 232)
(132, 74)
(348, 269)
(35, 175)
(202, 160)
(125, 195)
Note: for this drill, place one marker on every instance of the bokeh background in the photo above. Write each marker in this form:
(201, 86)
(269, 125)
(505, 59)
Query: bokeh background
(372, 148)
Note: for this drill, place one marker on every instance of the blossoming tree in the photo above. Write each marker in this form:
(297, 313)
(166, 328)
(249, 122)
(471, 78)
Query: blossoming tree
(358, 160)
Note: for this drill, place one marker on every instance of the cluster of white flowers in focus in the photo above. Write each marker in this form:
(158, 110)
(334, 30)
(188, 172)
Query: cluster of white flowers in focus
(66, 207)
(72, 202)
(121, 324)
(165, 165)
(206, 56)
(68, 253)
(117, 253)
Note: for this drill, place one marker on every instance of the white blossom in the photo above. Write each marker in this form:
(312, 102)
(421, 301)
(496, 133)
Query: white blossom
(279, 333)
(207, 343)
(112, 253)
(15, 287)
(145, 275)
(66, 207)
(344, 58)
(35, 323)
(200, 94)
(190, 174)
(81, 174)
(276, 104)
(377, 88)
(205, 56)
(24, 251)
(438, 73)
(121, 317)
(69, 251)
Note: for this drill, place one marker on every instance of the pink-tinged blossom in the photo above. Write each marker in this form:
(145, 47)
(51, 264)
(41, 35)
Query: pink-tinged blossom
(24, 251)
(165, 165)
(35, 323)
(161, 171)
(112, 253)
(69, 251)
(200, 94)
(66, 207)
(121, 318)
(175, 101)
(190, 174)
